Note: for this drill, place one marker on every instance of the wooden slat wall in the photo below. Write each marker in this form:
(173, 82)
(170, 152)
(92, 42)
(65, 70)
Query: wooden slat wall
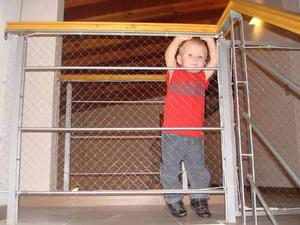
(167, 11)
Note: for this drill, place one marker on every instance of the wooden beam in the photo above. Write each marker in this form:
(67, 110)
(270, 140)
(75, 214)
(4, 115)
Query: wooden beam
(285, 19)
(224, 17)
(18, 27)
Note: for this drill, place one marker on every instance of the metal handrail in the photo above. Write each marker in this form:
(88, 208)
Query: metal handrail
(47, 68)
(290, 84)
(79, 129)
(261, 199)
(274, 152)
(217, 190)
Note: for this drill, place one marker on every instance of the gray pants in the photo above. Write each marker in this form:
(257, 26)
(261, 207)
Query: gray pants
(190, 150)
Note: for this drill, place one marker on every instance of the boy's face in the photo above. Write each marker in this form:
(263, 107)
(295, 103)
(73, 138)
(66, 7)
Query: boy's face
(192, 54)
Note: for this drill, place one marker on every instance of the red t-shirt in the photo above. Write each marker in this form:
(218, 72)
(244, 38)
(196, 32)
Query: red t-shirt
(184, 102)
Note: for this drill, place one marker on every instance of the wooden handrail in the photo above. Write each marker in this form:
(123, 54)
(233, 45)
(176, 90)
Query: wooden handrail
(110, 27)
(224, 16)
(285, 19)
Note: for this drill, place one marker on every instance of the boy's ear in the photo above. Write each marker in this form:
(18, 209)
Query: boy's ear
(179, 60)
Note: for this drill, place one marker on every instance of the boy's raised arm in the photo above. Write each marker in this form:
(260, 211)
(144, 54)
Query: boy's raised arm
(212, 55)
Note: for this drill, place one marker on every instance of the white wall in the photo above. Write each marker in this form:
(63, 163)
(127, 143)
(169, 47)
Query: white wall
(37, 149)
(32, 10)
(9, 11)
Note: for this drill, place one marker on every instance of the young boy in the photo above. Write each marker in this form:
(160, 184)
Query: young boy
(184, 107)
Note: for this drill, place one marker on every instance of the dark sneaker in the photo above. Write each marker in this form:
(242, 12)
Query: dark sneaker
(177, 209)
(201, 207)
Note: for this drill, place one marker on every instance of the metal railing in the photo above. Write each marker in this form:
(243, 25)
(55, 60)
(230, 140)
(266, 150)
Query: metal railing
(102, 138)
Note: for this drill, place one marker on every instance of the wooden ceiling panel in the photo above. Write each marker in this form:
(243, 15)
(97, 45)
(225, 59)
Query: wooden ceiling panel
(169, 11)
(74, 3)
(194, 17)
(108, 7)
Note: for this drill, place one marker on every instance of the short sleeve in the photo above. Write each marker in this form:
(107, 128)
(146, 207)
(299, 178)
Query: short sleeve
(203, 81)
(167, 76)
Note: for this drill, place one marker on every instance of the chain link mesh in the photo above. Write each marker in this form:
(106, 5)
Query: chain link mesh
(102, 160)
(275, 112)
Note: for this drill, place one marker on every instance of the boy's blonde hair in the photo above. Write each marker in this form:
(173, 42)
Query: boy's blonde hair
(195, 40)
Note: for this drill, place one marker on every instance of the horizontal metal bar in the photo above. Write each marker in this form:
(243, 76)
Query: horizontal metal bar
(290, 84)
(51, 129)
(114, 137)
(242, 82)
(260, 211)
(47, 68)
(261, 199)
(246, 154)
(219, 190)
(258, 44)
(276, 209)
(274, 152)
(120, 33)
(120, 102)
(113, 174)
(272, 47)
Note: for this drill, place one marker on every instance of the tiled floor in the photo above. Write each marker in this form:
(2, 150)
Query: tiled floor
(128, 215)
(113, 215)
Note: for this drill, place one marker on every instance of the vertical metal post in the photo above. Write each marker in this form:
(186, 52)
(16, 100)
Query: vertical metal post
(227, 135)
(238, 123)
(68, 137)
(16, 134)
(248, 110)
(184, 177)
